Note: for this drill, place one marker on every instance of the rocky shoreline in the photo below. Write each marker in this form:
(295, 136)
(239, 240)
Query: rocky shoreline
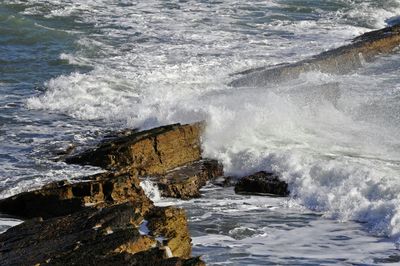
(107, 218)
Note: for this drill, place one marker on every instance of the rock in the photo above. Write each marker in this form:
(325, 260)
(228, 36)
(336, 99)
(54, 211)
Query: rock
(185, 182)
(87, 231)
(109, 236)
(62, 198)
(224, 181)
(262, 183)
(106, 219)
(170, 155)
(171, 223)
(340, 61)
(149, 152)
(152, 257)
(64, 153)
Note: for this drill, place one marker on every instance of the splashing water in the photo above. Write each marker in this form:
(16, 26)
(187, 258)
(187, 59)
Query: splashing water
(77, 69)
(151, 190)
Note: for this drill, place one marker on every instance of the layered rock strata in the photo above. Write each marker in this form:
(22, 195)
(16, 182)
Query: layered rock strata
(150, 152)
(62, 198)
(106, 219)
(170, 156)
(185, 182)
(106, 236)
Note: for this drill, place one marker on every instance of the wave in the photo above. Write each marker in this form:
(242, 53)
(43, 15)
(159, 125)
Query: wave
(334, 139)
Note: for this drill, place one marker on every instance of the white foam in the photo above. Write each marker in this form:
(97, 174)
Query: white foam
(370, 13)
(151, 190)
(73, 60)
(339, 151)
(6, 223)
(259, 235)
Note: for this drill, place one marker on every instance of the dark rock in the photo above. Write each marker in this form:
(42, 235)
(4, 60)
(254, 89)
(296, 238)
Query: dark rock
(109, 236)
(149, 152)
(262, 183)
(63, 154)
(185, 182)
(62, 198)
(152, 257)
(224, 181)
(340, 61)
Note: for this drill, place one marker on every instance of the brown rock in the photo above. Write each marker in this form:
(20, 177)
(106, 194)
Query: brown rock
(96, 220)
(185, 182)
(262, 183)
(149, 152)
(171, 223)
(85, 235)
(340, 61)
(62, 198)
(109, 236)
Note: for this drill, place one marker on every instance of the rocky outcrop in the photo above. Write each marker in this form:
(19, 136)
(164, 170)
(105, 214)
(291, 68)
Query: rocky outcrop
(340, 61)
(62, 198)
(262, 183)
(169, 155)
(185, 182)
(149, 152)
(107, 236)
(106, 219)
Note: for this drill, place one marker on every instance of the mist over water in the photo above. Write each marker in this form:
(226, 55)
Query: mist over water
(74, 70)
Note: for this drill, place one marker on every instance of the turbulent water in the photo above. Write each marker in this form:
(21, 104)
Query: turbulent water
(73, 70)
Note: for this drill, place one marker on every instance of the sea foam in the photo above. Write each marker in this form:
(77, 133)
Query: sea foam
(334, 139)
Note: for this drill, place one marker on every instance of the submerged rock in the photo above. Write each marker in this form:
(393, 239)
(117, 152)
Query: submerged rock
(109, 236)
(149, 152)
(342, 60)
(185, 182)
(262, 183)
(62, 198)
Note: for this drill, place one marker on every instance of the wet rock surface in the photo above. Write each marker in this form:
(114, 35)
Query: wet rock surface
(185, 182)
(224, 181)
(262, 183)
(171, 223)
(170, 155)
(106, 219)
(342, 60)
(38, 241)
(92, 236)
(149, 152)
(62, 198)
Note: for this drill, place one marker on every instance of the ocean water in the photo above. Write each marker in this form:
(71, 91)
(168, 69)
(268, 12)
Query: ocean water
(73, 70)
